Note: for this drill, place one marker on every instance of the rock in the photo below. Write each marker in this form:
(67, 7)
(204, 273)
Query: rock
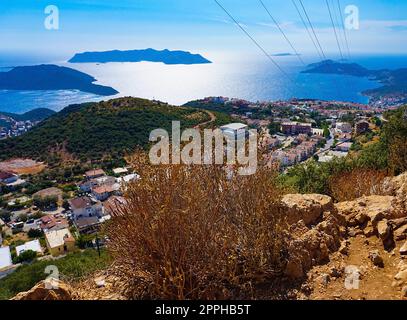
(336, 272)
(41, 291)
(400, 278)
(401, 233)
(369, 230)
(375, 257)
(404, 292)
(306, 207)
(344, 248)
(323, 279)
(294, 269)
(375, 208)
(403, 249)
(100, 282)
(385, 233)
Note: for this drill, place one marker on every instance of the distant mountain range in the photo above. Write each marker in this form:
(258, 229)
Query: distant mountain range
(394, 81)
(51, 77)
(151, 55)
(32, 115)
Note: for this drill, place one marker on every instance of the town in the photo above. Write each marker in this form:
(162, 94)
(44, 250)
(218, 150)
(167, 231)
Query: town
(50, 218)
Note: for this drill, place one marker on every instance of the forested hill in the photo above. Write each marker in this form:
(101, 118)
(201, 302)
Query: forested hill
(92, 131)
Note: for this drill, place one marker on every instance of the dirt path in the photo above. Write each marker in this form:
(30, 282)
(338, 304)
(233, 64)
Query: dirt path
(374, 282)
(212, 119)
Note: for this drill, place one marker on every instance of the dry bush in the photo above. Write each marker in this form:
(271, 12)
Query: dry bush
(357, 183)
(189, 232)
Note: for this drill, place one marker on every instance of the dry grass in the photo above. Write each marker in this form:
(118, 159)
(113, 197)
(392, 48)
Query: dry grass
(357, 183)
(189, 232)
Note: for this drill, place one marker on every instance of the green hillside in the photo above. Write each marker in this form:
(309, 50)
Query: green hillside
(93, 130)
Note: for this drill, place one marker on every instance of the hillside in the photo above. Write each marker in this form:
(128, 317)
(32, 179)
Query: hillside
(32, 115)
(91, 130)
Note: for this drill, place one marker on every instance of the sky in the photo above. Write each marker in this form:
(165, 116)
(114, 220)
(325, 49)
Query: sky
(199, 26)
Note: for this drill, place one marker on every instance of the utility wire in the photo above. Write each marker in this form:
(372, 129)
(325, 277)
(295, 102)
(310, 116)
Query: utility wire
(306, 28)
(343, 28)
(312, 28)
(282, 32)
(254, 41)
(334, 27)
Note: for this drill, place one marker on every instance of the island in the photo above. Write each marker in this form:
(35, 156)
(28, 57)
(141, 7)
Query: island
(394, 82)
(51, 77)
(150, 55)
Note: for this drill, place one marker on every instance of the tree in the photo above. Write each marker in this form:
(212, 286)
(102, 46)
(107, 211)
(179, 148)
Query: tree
(25, 256)
(35, 233)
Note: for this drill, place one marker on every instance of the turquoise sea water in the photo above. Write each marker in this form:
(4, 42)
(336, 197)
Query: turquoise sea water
(253, 78)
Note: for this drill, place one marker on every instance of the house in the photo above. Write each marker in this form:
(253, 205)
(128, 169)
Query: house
(87, 225)
(49, 192)
(88, 185)
(8, 177)
(343, 127)
(126, 179)
(103, 192)
(85, 207)
(52, 223)
(31, 245)
(120, 171)
(344, 147)
(96, 173)
(114, 204)
(5, 258)
(59, 242)
(292, 128)
(236, 131)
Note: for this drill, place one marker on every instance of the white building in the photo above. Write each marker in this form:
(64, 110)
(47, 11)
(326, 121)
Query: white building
(235, 131)
(343, 127)
(5, 258)
(31, 245)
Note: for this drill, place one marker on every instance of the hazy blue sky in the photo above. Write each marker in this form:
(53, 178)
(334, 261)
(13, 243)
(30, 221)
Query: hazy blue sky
(195, 25)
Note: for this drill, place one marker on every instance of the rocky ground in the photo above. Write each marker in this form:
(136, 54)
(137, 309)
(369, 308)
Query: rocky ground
(350, 250)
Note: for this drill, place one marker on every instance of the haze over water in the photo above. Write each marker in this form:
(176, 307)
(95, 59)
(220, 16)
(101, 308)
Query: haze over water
(253, 78)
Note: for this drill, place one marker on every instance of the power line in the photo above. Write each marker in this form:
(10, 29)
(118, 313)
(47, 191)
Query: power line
(283, 33)
(312, 28)
(334, 27)
(343, 28)
(254, 41)
(306, 28)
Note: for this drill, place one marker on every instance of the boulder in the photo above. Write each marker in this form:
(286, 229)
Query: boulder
(306, 207)
(401, 233)
(47, 290)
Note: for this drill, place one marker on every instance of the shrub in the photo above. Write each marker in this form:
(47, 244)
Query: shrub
(35, 233)
(189, 232)
(354, 184)
(25, 256)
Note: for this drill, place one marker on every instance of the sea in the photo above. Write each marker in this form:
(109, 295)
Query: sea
(250, 77)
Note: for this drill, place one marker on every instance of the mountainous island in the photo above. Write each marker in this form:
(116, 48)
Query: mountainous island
(394, 81)
(165, 56)
(51, 77)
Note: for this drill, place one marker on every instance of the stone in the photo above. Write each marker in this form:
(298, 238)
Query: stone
(294, 269)
(403, 249)
(404, 292)
(344, 248)
(323, 279)
(369, 230)
(385, 233)
(306, 207)
(42, 291)
(401, 233)
(375, 257)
